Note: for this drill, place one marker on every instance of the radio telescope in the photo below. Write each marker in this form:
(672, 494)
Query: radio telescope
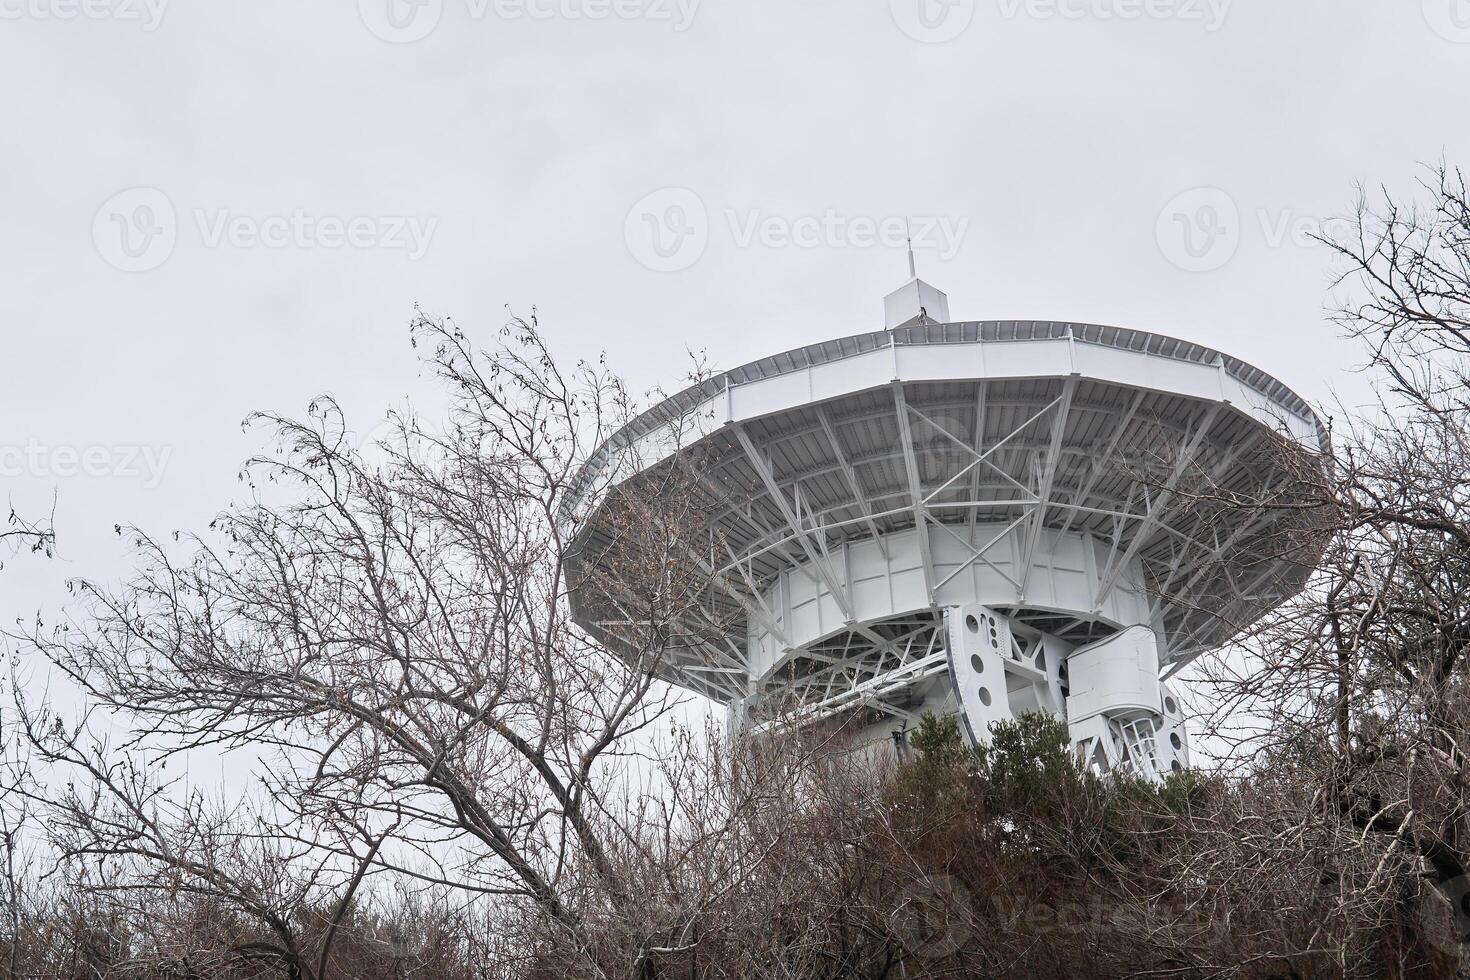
(974, 519)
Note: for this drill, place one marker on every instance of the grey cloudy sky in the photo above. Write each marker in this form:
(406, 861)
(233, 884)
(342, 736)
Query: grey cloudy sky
(217, 207)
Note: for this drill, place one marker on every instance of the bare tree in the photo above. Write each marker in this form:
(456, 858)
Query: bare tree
(21, 533)
(15, 855)
(1351, 707)
(386, 646)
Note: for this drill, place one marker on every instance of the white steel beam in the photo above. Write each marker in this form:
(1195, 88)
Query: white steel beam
(1157, 508)
(818, 562)
(1043, 495)
(916, 489)
(858, 496)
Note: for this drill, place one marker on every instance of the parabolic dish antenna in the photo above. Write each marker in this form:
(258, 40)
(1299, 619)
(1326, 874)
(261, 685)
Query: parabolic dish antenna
(976, 518)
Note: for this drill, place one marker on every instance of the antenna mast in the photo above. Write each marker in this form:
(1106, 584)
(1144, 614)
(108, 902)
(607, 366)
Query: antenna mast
(909, 236)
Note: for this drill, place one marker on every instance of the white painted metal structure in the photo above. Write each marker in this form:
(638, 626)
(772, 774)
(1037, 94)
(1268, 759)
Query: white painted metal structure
(978, 518)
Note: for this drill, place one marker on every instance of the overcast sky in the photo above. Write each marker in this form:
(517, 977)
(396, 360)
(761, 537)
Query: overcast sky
(217, 207)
